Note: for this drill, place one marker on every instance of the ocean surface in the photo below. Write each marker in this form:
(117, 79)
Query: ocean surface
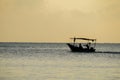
(55, 61)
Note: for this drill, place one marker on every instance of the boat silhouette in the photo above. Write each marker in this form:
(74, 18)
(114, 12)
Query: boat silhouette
(78, 47)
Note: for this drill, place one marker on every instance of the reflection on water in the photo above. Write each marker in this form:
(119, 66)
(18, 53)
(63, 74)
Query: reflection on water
(56, 62)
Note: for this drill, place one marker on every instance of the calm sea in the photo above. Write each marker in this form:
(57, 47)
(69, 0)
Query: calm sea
(55, 61)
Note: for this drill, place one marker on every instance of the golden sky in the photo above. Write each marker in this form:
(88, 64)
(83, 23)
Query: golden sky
(58, 20)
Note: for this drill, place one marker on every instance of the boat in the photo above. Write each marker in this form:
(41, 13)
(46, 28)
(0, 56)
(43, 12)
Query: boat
(82, 47)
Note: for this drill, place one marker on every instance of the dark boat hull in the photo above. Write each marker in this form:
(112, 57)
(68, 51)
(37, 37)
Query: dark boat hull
(77, 49)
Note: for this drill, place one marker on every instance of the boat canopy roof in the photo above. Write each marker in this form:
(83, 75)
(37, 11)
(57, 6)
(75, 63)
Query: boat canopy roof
(83, 39)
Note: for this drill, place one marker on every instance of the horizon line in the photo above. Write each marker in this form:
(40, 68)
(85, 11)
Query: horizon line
(58, 42)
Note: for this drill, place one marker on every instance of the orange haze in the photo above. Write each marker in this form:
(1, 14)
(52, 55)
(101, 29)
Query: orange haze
(58, 20)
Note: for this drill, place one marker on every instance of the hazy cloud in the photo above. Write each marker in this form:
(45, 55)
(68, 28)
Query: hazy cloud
(32, 18)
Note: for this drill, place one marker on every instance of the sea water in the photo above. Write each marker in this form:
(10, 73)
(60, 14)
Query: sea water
(55, 61)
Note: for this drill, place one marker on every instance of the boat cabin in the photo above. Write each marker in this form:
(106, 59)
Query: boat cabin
(82, 47)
